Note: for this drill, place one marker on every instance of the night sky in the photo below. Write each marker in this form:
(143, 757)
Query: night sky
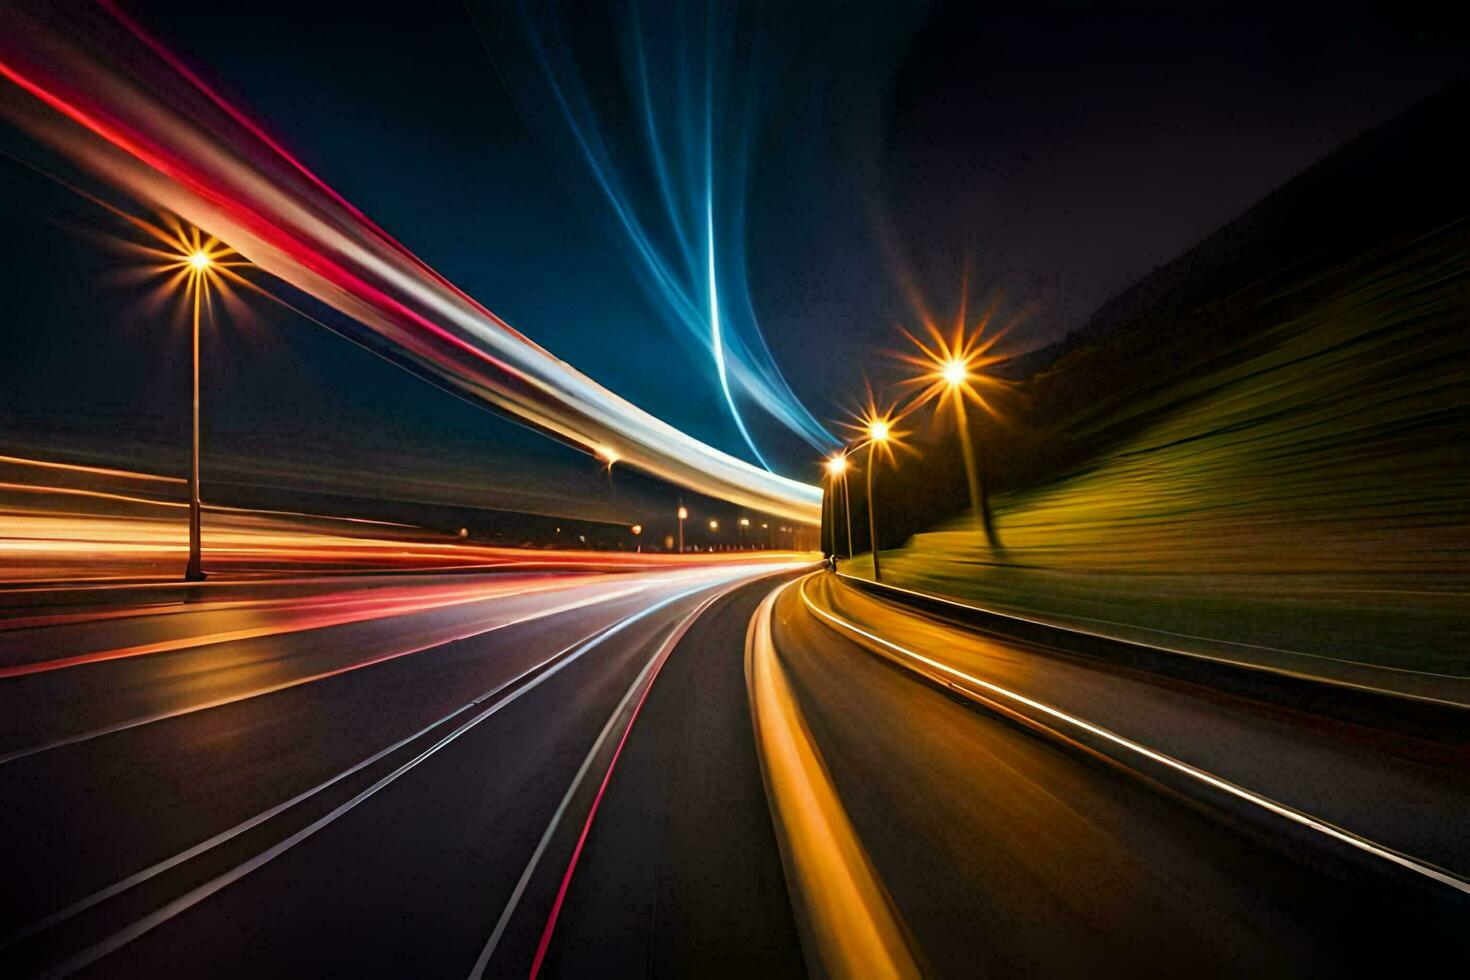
(1058, 152)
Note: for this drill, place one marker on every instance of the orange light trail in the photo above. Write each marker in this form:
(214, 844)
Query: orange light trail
(95, 470)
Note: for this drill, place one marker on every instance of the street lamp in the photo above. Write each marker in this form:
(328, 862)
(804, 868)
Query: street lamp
(955, 374)
(199, 263)
(879, 432)
(837, 466)
(744, 523)
(683, 516)
(637, 529)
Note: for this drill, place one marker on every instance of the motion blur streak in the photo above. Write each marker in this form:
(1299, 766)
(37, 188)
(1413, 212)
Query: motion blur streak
(946, 674)
(316, 619)
(373, 661)
(39, 546)
(99, 95)
(97, 470)
(689, 250)
(851, 918)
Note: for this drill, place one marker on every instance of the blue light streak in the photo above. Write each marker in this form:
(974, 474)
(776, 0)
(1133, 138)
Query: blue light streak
(667, 189)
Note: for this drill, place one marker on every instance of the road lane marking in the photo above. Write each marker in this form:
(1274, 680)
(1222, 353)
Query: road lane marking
(1299, 817)
(851, 918)
(651, 671)
(483, 960)
(557, 662)
(142, 720)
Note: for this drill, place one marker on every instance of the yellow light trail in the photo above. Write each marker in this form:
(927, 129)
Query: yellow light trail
(852, 919)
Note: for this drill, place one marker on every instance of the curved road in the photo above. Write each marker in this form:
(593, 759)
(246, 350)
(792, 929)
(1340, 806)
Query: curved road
(684, 773)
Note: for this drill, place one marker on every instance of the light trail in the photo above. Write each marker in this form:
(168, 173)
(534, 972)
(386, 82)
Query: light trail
(851, 917)
(139, 722)
(159, 135)
(37, 546)
(376, 609)
(947, 675)
(717, 339)
(93, 470)
(673, 247)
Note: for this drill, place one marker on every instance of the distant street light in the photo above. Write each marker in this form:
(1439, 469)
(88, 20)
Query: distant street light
(683, 516)
(637, 529)
(744, 523)
(876, 432)
(836, 467)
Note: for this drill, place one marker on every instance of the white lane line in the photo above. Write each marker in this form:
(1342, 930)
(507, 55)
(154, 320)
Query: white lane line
(1280, 809)
(260, 818)
(96, 951)
(142, 720)
(483, 961)
(222, 837)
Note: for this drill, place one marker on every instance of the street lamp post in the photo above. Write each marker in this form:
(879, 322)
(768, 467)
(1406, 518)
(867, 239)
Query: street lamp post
(744, 523)
(683, 516)
(956, 374)
(637, 529)
(837, 471)
(878, 433)
(847, 511)
(199, 263)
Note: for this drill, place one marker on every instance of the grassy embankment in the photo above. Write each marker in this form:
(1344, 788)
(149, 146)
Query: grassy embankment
(1307, 492)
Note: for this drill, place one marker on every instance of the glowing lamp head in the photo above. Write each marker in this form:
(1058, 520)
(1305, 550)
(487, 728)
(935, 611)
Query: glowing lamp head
(714, 525)
(744, 522)
(683, 513)
(955, 372)
(878, 430)
(837, 465)
(637, 529)
(199, 260)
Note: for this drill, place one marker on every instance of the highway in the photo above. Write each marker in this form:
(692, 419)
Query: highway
(739, 769)
(319, 776)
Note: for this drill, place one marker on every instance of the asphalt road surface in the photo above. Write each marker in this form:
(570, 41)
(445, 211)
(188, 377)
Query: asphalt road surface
(573, 775)
(325, 778)
(1012, 842)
